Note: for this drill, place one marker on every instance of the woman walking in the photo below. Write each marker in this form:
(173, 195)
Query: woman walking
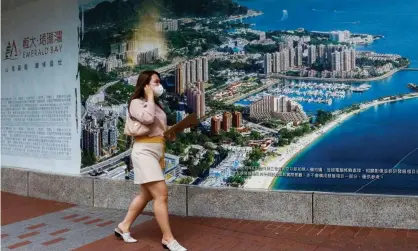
(148, 159)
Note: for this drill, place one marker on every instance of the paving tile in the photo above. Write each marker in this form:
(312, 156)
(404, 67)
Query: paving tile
(81, 219)
(302, 247)
(92, 221)
(71, 216)
(59, 231)
(52, 242)
(230, 245)
(294, 228)
(105, 223)
(283, 246)
(412, 233)
(364, 232)
(23, 236)
(323, 249)
(36, 226)
(327, 230)
(358, 239)
(19, 244)
(273, 226)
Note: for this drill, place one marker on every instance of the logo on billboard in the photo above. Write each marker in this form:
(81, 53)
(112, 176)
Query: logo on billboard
(11, 51)
(47, 43)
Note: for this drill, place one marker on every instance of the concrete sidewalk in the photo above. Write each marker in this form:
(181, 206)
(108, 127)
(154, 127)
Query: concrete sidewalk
(35, 224)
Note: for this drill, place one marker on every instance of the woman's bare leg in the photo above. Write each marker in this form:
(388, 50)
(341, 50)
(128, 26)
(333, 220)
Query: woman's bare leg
(159, 193)
(135, 208)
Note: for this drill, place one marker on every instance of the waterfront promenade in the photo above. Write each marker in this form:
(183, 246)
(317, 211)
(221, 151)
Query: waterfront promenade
(35, 224)
(245, 95)
(384, 76)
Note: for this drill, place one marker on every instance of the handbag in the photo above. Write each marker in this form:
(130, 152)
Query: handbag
(135, 128)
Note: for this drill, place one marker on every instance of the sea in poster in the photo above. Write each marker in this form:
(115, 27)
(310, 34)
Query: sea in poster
(382, 137)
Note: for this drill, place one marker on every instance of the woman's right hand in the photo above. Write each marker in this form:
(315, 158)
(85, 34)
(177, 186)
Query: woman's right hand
(171, 136)
(149, 92)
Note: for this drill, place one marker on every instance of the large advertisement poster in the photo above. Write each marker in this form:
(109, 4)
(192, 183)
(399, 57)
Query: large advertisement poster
(294, 95)
(40, 95)
(299, 95)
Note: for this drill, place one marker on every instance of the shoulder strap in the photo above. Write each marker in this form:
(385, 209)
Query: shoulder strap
(129, 113)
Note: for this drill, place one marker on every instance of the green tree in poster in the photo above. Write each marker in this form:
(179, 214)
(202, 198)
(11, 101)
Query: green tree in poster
(236, 180)
(255, 135)
(185, 180)
(256, 154)
(88, 158)
(322, 117)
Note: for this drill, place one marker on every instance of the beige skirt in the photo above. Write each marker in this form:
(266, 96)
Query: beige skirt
(145, 161)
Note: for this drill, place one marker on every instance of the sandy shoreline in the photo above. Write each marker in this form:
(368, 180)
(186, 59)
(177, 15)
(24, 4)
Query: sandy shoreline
(265, 180)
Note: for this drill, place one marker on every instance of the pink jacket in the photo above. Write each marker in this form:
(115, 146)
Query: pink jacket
(150, 114)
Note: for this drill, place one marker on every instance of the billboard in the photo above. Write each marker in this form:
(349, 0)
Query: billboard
(40, 91)
(292, 95)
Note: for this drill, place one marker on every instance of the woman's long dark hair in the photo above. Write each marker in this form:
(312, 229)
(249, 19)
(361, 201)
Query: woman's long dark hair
(143, 79)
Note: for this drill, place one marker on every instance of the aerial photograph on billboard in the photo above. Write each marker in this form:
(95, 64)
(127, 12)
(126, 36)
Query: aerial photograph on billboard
(290, 95)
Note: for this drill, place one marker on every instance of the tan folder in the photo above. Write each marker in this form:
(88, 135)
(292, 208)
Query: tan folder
(189, 121)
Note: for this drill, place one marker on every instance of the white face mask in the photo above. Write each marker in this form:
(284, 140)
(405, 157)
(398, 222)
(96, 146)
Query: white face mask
(158, 90)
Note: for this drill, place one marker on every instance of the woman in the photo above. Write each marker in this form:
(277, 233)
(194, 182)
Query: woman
(148, 159)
